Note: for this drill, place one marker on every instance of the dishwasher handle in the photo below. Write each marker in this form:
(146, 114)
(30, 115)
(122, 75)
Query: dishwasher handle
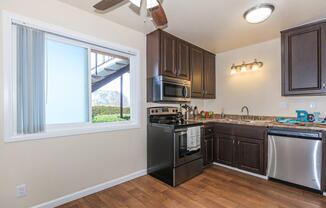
(295, 134)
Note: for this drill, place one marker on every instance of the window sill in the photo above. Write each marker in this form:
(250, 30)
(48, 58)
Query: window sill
(73, 130)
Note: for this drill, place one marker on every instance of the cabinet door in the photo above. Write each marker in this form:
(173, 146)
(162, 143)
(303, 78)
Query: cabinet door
(208, 150)
(209, 75)
(225, 149)
(168, 55)
(196, 68)
(250, 155)
(183, 63)
(304, 61)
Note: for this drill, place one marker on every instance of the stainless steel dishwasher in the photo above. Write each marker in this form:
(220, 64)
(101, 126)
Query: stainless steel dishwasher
(295, 156)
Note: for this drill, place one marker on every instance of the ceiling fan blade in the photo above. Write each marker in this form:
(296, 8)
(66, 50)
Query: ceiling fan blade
(158, 15)
(105, 4)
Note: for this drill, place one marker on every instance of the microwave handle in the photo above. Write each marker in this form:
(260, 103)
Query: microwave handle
(185, 91)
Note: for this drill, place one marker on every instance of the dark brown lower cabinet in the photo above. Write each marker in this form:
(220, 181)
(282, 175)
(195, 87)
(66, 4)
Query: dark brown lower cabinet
(250, 154)
(224, 149)
(241, 147)
(208, 147)
(208, 144)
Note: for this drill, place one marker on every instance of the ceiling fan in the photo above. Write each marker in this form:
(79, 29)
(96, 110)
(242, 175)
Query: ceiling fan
(154, 8)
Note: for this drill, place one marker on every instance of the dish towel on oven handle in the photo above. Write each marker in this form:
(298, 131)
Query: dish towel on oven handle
(193, 139)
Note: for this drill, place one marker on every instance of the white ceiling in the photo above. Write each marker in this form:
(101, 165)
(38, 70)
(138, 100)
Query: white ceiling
(216, 25)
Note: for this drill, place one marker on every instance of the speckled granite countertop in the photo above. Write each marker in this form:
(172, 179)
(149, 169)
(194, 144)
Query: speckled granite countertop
(264, 122)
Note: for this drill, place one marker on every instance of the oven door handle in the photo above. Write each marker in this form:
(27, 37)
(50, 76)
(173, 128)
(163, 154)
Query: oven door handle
(180, 132)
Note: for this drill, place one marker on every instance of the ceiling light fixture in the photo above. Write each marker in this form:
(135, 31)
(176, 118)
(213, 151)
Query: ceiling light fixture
(136, 2)
(149, 3)
(259, 13)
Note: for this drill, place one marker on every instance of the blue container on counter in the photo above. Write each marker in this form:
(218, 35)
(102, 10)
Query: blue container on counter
(302, 115)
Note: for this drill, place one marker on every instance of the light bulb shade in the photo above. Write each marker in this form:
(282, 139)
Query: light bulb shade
(243, 68)
(233, 71)
(259, 13)
(255, 67)
(151, 4)
(136, 2)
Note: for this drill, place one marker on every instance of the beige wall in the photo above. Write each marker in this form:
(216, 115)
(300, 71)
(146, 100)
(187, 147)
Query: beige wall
(261, 90)
(55, 167)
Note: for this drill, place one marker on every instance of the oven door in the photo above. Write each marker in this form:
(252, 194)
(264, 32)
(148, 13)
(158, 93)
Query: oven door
(182, 153)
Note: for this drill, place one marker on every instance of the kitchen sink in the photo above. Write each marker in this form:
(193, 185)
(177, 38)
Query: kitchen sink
(246, 120)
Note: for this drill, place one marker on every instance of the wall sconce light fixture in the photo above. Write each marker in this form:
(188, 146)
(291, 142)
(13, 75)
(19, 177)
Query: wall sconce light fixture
(244, 67)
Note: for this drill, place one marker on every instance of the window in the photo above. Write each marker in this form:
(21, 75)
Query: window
(110, 87)
(66, 83)
(61, 85)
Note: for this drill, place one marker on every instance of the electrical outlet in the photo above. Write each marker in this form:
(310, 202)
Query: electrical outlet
(312, 105)
(21, 191)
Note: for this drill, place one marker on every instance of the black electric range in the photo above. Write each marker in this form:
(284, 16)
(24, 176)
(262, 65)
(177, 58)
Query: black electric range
(173, 146)
(169, 116)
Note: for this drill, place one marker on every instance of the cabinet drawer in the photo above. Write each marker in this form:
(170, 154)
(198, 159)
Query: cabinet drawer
(224, 129)
(250, 132)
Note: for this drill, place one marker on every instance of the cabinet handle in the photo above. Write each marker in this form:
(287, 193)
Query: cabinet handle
(233, 141)
(238, 142)
(324, 85)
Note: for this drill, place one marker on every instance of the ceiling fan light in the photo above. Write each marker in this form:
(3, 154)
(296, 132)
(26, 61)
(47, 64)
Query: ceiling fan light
(136, 2)
(151, 4)
(259, 13)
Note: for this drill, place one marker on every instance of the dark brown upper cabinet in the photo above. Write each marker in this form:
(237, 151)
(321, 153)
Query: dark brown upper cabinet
(170, 56)
(197, 72)
(202, 68)
(304, 60)
(183, 63)
(169, 46)
(209, 75)
(167, 55)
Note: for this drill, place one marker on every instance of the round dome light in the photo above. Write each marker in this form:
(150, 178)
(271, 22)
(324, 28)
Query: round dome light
(259, 13)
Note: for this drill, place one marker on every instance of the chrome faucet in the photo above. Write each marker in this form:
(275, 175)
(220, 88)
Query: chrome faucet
(247, 109)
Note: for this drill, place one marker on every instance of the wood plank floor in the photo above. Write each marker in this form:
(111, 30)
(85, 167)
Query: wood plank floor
(216, 187)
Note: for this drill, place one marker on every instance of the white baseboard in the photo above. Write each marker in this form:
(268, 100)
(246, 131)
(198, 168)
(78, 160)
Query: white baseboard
(91, 190)
(242, 171)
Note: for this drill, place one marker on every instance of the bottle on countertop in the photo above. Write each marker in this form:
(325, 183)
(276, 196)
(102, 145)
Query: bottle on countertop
(195, 112)
(222, 113)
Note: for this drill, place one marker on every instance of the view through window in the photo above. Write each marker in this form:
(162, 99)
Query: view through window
(110, 75)
(59, 82)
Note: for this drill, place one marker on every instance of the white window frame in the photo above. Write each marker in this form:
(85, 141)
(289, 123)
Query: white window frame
(60, 130)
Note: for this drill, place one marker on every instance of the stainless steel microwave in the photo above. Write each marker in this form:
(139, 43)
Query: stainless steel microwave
(167, 89)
